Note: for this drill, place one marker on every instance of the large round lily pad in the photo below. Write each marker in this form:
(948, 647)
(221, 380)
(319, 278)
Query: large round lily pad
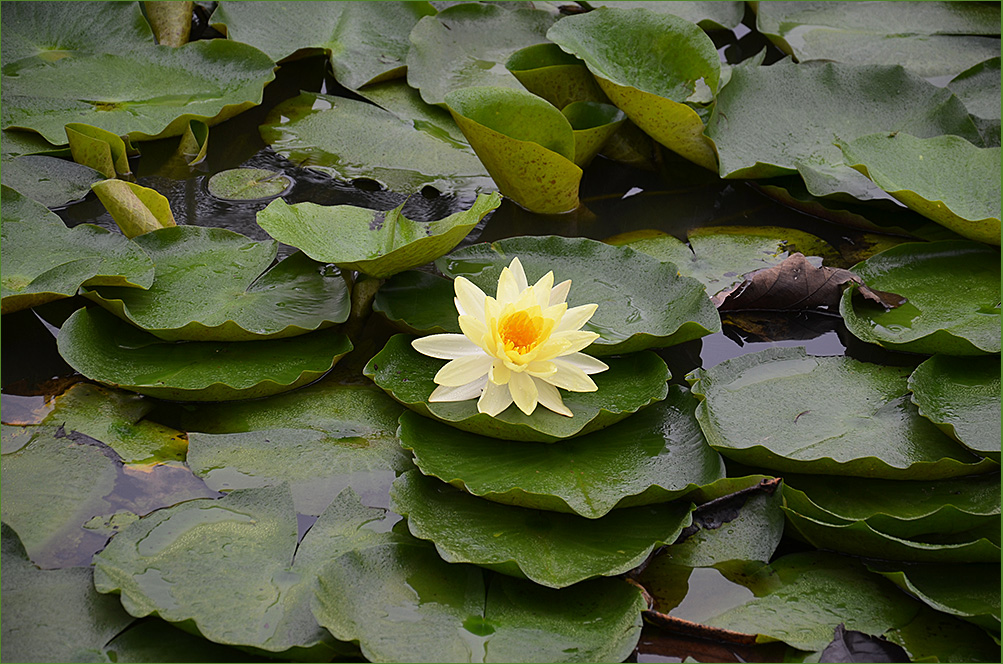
(418, 607)
(782, 409)
(550, 548)
(631, 383)
(656, 455)
(418, 302)
(213, 284)
(110, 351)
(643, 303)
(953, 288)
(961, 395)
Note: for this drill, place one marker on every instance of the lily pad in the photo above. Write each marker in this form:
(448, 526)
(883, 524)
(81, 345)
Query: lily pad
(785, 410)
(643, 303)
(593, 124)
(953, 288)
(417, 605)
(552, 549)
(43, 260)
(527, 145)
(708, 15)
(944, 178)
(351, 139)
(50, 181)
(405, 102)
(650, 65)
(937, 636)
(377, 243)
(979, 88)
(135, 209)
(171, 21)
(466, 45)
(232, 569)
(249, 184)
(366, 42)
(115, 353)
(432, 313)
(559, 77)
(213, 284)
(962, 397)
(631, 383)
(101, 150)
(654, 456)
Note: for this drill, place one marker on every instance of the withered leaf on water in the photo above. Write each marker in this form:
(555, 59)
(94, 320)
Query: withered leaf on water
(797, 284)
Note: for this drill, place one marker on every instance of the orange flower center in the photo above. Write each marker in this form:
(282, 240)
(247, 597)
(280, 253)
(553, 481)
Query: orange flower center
(520, 331)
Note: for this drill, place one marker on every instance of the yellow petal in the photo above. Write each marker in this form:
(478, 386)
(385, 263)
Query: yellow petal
(542, 289)
(508, 287)
(463, 370)
(550, 399)
(519, 274)
(576, 340)
(494, 399)
(559, 293)
(575, 317)
(471, 390)
(446, 346)
(473, 330)
(469, 298)
(586, 363)
(499, 373)
(541, 369)
(524, 392)
(570, 377)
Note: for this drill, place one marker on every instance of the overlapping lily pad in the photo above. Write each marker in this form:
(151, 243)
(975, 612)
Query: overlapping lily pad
(43, 260)
(979, 88)
(953, 288)
(708, 15)
(374, 242)
(405, 102)
(351, 139)
(232, 569)
(552, 549)
(962, 397)
(782, 409)
(135, 209)
(654, 456)
(51, 181)
(631, 383)
(559, 77)
(431, 313)
(643, 303)
(100, 149)
(418, 606)
(366, 42)
(113, 352)
(650, 65)
(944, 178)
(213, 284)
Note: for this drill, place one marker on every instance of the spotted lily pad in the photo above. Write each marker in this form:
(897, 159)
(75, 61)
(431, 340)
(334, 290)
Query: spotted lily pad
(248, 184)
(553, 549)
(962, 396)
(43, 260)
(418, 604)
(135, 209)
(631, 383)
(99, 149)
(377, 243)
(782, 409)
(113, 352)
(559, 77)
(944, 178)
(213, 284)
(643, 303)
(232, 568)
(953, 288)
(654, 456)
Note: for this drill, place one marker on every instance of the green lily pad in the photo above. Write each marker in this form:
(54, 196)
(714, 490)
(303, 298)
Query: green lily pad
(135, 209)
(936, 636)
(158, 641)
(231, 568)
(559, 77)
(467, 44)
(654, 456)
(945, 178)
(708, 15)
(406, 103)
(351, 139)
(50, 181)
(43, 260)
(631, 383)
(953, 291)
(101, 150)
(969, 591)
(213, 284)
(377, 243)
(720, 256)
(110, 351)
(15, 144)
(782, 409)
(552, 549)
(593, 124)
(962, 397)
(754, 115)
(53, 615)
(433, 313)
(979, 89)
(527, 145)
(643, 303)
(417, 605)
(680, 65)
(366, 42)
(249, 184)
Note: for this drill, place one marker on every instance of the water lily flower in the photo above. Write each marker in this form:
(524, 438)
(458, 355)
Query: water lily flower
(519, 346)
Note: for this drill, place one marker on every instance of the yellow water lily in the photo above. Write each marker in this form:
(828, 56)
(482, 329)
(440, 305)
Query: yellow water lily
(519, 346)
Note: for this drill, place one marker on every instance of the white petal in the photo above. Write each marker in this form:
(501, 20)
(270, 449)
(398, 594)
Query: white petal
(550, 399)
(499, 373)
(541, 369)
(559, 293)
(463, 370)
(494, 399)
(576, 340)
(586, 363)
(570, 378)
(508, 287)
(446, 346)
(519, 274)
(542, 289)
(473, 330)
(575, 317)
(524, 392)
(471, 390)
(469, 298)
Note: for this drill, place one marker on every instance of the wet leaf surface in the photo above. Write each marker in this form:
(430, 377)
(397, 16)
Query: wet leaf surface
(246, 184)
(50, 181)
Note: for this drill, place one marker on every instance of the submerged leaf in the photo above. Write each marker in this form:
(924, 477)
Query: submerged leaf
(136, 209)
